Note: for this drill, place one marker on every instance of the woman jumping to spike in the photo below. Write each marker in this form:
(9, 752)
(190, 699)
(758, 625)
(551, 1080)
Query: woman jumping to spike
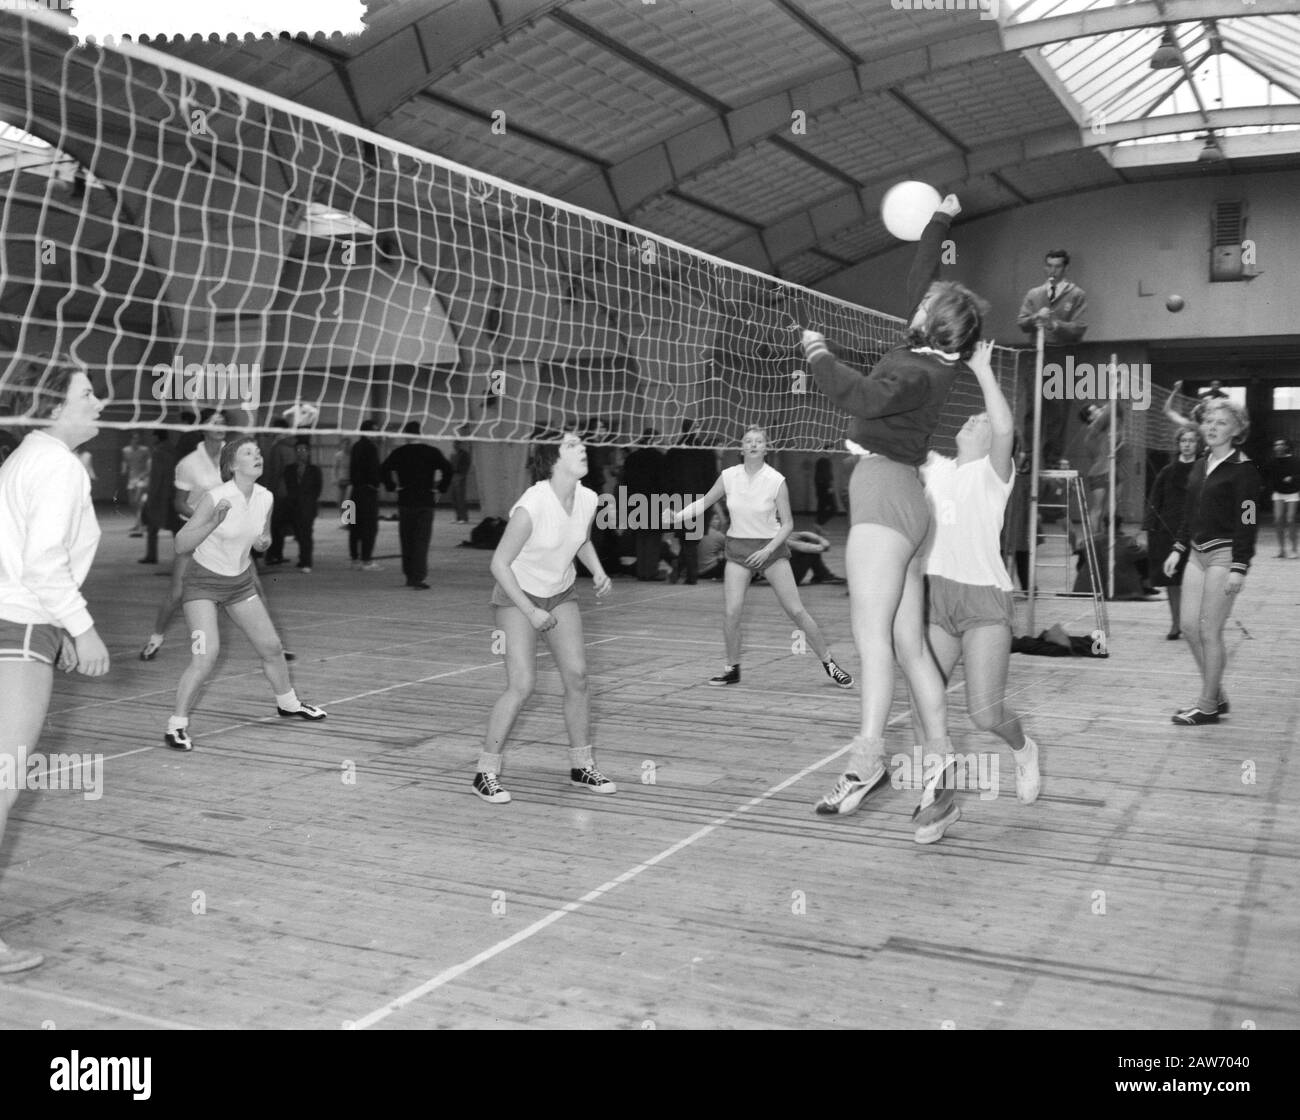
(897, 408)
(759, 506)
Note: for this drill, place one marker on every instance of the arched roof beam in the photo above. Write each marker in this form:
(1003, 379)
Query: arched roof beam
(632, 181)
(1144, 13)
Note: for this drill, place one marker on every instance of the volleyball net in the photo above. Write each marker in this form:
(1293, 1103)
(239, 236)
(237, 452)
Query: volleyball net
(198, 244)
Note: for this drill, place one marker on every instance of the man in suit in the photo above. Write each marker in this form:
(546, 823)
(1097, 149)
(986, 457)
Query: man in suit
(302, 482)
(1058, 307)
(410, 470)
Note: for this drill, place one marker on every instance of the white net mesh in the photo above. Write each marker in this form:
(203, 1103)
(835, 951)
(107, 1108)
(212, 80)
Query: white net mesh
(204, 245)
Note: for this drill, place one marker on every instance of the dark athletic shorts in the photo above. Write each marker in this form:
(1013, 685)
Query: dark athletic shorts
(739, 549)
(203, 584)
(30, 641)
(883, 492)
(546, 602)
(958, 607)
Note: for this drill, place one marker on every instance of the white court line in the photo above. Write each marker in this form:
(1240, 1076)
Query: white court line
(450, 974)
(72, 1001)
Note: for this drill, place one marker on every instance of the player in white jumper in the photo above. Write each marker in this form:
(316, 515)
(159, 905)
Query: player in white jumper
(969, 591)
(758, 504)
(48, 538)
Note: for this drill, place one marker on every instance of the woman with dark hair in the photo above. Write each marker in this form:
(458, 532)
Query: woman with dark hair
(1217, 534)
(48, 538)
(1164, 514)
(758, 504)
(897, 407)
(549, 526)
(1284, 481)
(228, 523)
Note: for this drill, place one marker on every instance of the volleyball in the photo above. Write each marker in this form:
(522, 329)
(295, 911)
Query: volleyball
(1174, 303)
(301, 415)
(907, 208)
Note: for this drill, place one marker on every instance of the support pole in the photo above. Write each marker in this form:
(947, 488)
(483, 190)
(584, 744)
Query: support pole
(1036, 454)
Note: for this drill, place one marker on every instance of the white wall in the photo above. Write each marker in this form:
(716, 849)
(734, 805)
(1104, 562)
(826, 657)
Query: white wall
(1152, 234)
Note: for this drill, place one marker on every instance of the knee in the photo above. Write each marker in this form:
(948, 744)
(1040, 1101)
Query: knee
(272, 651)
(989, 719)
(519, 690)
(575, 684)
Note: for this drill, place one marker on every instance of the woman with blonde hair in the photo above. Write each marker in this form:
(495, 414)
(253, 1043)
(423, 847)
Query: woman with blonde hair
(758, 503)
(1217, 535)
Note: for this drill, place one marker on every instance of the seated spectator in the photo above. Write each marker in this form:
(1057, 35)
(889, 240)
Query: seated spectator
(806, 550)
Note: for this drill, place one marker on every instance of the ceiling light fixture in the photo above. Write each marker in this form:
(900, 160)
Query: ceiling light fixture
(1167, 56)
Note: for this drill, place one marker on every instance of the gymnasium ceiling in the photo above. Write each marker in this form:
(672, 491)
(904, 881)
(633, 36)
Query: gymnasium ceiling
(766, 131)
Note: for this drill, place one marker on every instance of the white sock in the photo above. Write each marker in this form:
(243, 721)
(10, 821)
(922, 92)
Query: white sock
(580, 757)
(177, 723)
(289, 701)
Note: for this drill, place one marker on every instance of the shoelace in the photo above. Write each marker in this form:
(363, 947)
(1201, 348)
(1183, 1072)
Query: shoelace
(842, 789)
(593, 776)
(491, 784)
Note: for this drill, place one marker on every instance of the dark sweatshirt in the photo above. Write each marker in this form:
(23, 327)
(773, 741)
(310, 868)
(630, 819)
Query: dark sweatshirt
(897, 405)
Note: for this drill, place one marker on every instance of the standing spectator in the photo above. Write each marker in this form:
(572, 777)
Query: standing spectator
(342, 454)
(461, 461)
(364, 477)
(643, 475)
(1283, 474)
(278, 459)
(409, 470)
(1165, 508)
(135, 479)
(1058, 308)
(690, 471)
(159, 511)
(1218, 535)
(302, 485)
(48, 538)
(824, 484)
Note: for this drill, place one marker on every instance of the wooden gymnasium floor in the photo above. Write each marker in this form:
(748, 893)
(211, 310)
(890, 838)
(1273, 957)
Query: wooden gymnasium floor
(1149, 887)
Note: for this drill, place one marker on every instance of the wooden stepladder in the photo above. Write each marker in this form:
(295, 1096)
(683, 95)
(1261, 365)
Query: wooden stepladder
(1068, 495)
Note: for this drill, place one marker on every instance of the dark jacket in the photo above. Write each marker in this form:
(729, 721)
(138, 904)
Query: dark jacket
(363, 464)
(410, 469)
(1222, 509)
(898, 404)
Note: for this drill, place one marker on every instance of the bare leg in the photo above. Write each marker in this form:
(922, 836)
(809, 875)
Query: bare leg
(252, 618)
(25, 688)
(1190, 618)
(205, 644)
(565, 641)
(781, 577)
(1216, 605)
(737, 578)
(521, 676)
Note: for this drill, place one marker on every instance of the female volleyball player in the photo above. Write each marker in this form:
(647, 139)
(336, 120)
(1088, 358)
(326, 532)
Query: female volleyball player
(1218, 534)
(1284, 480)
(228, 523)
(897, 406)
(969, 590)
(48, 537)
(758, 503)
(549, 525)
(1164, 514)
